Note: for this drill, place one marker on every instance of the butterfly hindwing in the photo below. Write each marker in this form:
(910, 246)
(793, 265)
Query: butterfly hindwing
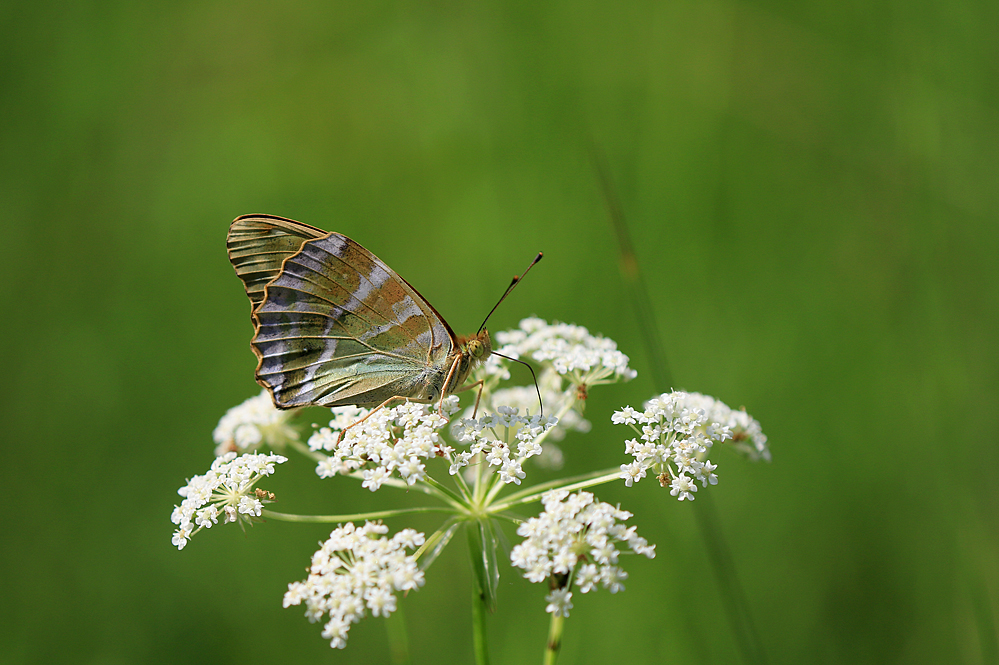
(335, 325)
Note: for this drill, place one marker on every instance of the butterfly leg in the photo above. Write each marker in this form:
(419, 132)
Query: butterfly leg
(480, 384)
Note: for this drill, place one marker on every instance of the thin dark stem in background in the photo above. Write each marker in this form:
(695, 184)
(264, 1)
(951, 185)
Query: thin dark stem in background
(985, 620)
(736, 605)
(662, 377)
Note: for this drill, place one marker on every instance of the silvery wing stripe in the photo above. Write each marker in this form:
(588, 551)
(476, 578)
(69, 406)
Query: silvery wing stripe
(301, 274)
(339, 254)
(337, 326)
(406, 309)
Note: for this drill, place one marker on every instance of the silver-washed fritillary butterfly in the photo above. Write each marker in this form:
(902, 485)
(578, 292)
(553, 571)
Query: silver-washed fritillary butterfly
(333, 325)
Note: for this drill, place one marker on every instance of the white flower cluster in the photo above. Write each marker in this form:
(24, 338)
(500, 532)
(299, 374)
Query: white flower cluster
(253, 423)
(556, 400)
(494, 435)
(747, 434)
(387, 442)
(356, 568)
(576, 528)
(680, 428)
(227, 485)
(571, 350)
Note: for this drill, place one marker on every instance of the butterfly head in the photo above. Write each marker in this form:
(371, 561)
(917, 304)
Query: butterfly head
(478, 346)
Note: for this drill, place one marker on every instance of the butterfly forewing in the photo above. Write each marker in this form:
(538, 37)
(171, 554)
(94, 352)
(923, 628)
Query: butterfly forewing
(337, 326)
(259, 244)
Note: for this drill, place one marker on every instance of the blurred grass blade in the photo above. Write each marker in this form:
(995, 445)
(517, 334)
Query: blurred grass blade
(985, 620)
(734, 599)
(632, 274)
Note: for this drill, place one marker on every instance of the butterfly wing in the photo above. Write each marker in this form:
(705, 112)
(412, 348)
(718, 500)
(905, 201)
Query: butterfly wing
(337, 326)
(259, 244)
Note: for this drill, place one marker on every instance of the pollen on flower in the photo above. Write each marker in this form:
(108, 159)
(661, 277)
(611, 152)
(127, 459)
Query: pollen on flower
(676, 431)
(252, 424)
(576, 530)
(357, 569)
(229, 486)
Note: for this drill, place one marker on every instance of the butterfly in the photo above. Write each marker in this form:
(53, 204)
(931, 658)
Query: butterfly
(335, 326)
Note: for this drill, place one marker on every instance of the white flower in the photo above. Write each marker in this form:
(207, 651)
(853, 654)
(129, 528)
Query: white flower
(733, 425)
(680, 428)
(556, 398)
(505, 439)
(228, 485)
(705, 473)
(570, 349)
(389, 442)
(356, 569)
(632, 473)
(575, 528)
(559, 602)
(626, 416)
(683, 487)
(588, 577)
(255, 422)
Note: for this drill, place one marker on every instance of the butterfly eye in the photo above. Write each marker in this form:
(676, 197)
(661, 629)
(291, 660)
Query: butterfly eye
(475, 348)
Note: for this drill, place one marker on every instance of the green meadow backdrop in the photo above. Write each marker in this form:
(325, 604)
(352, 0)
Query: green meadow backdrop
(812, 193)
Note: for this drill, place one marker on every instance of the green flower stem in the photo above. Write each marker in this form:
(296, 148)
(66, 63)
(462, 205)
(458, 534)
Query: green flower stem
(447, 494)
(463, 487)
(534, 493)
(305, 450)
(433, 542)
(480, 482)
(554, 640)
(398, 638)
(398, 483)
(288, 517)
(516, 521)
(479, 644)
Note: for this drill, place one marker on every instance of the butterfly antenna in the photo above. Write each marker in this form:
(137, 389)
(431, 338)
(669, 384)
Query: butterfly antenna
(513, 283)
(528, 366)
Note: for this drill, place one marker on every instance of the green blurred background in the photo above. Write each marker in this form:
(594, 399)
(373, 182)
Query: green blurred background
(812, 190)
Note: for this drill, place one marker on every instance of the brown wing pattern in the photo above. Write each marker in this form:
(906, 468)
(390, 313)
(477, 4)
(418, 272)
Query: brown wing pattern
(337, 326)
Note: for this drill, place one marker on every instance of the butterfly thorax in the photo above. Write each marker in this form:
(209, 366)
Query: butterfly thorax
(474, 350)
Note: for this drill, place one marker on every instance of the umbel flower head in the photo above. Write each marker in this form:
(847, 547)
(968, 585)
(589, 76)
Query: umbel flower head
(571, 359)
(229, 486)
(676, 431)
(355, 570)
(253, 424)
(584, 359)
(576, 529)
(389, 442)
(494, 436)
(576, 542)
